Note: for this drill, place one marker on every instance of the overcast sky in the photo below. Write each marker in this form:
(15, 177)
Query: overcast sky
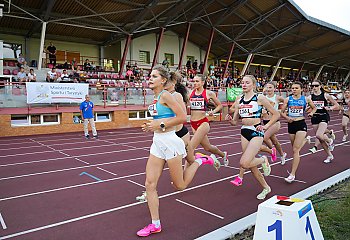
(336, 12)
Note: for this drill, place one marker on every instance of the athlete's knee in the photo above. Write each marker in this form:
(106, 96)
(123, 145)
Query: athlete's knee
(244, 164)
(150, 185)
(320, 136)
(296, 149)
(179, 186)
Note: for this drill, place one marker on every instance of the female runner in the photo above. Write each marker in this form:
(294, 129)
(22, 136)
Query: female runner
(295, 106)
(166, 147)
(346, 114)
(199, 100)
(249, 108)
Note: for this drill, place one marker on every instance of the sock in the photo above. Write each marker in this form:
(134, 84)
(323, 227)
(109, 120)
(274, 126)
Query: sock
(156, 223)
(199, 161)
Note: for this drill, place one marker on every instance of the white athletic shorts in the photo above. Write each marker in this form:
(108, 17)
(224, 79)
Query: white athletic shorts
(167, 145)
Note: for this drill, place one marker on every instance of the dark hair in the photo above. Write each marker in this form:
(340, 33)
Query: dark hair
(203, 78)
(298, 83)
(162, 72)
(179, 87)
(319, 82)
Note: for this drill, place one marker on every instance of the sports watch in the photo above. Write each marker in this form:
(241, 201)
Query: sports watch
(162, 126)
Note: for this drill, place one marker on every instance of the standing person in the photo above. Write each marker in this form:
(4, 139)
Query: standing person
(166, 147)
(87, 115)
(346, 114)
(295, 106)
(321, 118)
(270, 138)
(199, 100)
(249, 108)
(51, 49)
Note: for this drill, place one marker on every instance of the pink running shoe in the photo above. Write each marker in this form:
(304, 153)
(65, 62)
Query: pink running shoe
(273, 155)
(237, 182)
(205, 159)
(146, 231)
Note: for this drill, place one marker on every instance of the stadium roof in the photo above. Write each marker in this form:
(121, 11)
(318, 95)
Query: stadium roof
(270, 29)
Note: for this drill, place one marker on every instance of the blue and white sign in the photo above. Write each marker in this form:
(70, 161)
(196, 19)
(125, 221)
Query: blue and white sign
(40, 92)
(286, 220)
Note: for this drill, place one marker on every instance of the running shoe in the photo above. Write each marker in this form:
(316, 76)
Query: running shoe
(283, 158)
(331, 145)
(329, 159)
(266, 166)
(313, 149)
(345, 137)
(96, 137)
(237, 182)
(87, 137)
(226, 162)
(332, 134)
(290, 178)
(308, 139)
(273, 155)
(263, 194)
(142, 197)
(146, 231)
(211, 160)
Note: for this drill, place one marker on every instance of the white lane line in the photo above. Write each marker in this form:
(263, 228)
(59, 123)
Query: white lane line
(81, 161)
(296, 180)
(114, 174)
(138, 184)
(200, 209)
(2, 221)
(125, 144)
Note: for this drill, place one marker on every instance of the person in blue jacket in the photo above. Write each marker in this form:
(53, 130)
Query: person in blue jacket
(87, 115)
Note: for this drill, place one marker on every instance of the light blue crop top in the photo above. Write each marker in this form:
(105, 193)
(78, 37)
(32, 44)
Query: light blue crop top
(296, 107)
(158, 110)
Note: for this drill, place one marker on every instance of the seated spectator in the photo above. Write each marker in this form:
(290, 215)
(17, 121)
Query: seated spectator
(25, 67)
(31, 75)
(74, 64)
(51, 75)
(65, 77)
(129, 74)
(87, 65)
(21, 75)
(20, 60)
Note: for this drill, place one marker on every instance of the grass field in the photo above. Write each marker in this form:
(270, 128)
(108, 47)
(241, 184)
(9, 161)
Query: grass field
(332, 209)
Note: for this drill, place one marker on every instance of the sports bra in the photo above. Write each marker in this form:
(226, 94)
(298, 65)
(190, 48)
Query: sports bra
(296, 107)
(250, 108)
(199, 102)
(158, 110)
(274, 100)
(320, 102)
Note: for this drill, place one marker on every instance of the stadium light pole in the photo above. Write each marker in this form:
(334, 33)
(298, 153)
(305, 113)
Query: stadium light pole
(208, 51)
(275, 70)
(41, 49)
(184, 45)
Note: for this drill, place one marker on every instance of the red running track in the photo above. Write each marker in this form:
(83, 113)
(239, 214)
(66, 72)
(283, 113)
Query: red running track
(44, 194)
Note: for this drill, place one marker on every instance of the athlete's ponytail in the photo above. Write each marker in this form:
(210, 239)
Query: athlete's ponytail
(176, 78)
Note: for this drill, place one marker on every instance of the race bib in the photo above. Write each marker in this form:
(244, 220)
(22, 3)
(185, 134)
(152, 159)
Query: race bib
(319, 104)
(197, 103)
(152, 109)
(296, 111)
(245, 110)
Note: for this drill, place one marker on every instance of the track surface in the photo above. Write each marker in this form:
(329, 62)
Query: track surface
(65, 187)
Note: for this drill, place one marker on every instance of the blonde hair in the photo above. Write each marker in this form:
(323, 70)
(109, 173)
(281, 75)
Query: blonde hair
(251, 77)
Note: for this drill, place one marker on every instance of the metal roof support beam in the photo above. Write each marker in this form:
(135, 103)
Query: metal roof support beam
(346, 79)
(208, 51)
(318, 72)
(156, 51)
(228, 60)
(184, 45)
(125, 52)
(37, 18)
(299, 71)
(230, 10)
(275, 70)
(247, 63)
(41, 49)
(141, 16)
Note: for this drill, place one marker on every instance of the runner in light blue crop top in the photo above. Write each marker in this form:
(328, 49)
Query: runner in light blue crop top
(158, 111)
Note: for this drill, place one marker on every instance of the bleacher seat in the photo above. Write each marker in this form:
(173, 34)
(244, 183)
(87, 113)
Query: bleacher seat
(115, 76)
(15, 72)
(11, 64)
(102, 76)
(7, 72)
(5, 63)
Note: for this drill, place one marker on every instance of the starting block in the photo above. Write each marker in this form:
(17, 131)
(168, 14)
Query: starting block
(284, 218)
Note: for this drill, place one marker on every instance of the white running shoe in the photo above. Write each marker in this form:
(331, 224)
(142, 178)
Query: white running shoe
(345, 137)
(308, 139)
(263, 194)
(329, 159)
(142, 197)
(283, 158)
(290, 178)
(313, 149)
(266, 166)
(226, 162)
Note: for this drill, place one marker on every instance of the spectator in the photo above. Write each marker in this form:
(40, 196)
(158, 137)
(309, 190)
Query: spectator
(21, 75)
(20, 60)
(195, 65)
(25, 67)
(188, 64)
(74, 64)
(87, 115)
(51, 75)
(87, 65)
(52, 54)
(31, 75)
(165, 63)
(129, 74)
(65, 77)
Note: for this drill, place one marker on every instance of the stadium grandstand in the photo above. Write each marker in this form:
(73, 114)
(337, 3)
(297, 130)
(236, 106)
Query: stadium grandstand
(108, 48)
